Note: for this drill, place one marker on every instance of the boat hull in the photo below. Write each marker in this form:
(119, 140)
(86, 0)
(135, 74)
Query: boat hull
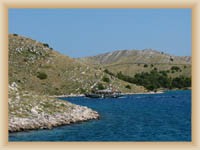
(91, 95)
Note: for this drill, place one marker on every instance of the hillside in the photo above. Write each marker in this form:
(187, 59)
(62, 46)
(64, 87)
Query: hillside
(37, 71)
(131, 62)
(137, 56)
(36, 67)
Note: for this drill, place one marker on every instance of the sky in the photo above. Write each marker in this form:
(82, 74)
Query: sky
(88, 32)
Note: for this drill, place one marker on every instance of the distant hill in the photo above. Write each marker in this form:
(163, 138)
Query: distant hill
(137, 56)
(131, 62)
(36, 67)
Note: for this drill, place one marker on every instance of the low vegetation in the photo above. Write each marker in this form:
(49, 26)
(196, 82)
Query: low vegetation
(131, 62)
(128, 86)
(154, 80)
(145, 65)
(175, 68)
(36, 67)
(105, 79)
(42, 75)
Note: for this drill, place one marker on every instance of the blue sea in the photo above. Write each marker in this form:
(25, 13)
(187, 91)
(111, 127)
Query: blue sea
(141, 117)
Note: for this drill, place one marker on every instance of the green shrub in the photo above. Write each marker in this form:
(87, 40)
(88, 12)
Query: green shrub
(108, 72)
(155, 69)
(42, 75)
(128, 86)
(82, 91)
(105, 79)
(175, 68)
(63, 105)
(153, 80)
(45, 45)
(145, 65)
(100, 86)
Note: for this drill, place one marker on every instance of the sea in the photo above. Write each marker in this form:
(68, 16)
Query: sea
(138, 117)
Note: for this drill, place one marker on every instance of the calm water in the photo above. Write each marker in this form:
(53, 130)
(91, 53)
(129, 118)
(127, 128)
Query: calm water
(147, 117)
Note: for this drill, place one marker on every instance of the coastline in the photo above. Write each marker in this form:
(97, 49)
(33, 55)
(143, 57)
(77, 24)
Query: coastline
(47, 121)
(79, 95)
(65, 95)
(28, 111)
(159, 92)
(117, 117)
(46, 112)
(151, 92)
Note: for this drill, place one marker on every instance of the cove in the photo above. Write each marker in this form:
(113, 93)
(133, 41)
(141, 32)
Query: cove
(139, 117)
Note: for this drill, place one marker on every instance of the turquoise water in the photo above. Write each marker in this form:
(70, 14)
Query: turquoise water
(142, 117)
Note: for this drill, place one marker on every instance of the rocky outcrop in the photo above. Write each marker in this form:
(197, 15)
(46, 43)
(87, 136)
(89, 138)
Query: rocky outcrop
(28, 111)
(47, 121)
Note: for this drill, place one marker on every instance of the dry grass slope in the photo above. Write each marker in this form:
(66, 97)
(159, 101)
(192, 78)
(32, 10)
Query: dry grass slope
(131, 62)
(36, 67)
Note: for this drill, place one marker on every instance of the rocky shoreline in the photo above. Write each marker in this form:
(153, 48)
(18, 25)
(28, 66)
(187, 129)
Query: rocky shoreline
(46, 121)
(29, 111)
(79, 95)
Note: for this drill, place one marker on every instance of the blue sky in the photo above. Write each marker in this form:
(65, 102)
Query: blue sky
(87, 32)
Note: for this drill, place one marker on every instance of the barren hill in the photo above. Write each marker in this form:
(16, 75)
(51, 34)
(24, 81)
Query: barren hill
(137, 56)
(135, 61)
